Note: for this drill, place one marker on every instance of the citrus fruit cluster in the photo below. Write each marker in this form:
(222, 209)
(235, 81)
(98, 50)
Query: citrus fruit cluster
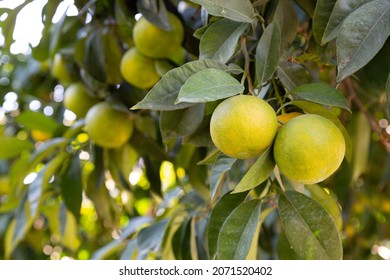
(307, 149)
(107, 124)
(151, 43)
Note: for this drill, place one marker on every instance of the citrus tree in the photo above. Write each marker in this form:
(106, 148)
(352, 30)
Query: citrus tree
(199, 129)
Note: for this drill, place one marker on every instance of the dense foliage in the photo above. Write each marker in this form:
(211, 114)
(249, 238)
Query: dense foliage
(168, 193)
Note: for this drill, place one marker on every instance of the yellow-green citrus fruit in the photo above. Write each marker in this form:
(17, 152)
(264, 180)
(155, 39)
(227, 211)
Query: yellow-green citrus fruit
(40, 136)
(179, 56)
(309, 148)
(5, 187)
(243, 126)
(138, 70)
(155, 42)
(284, 118)
(59, 70)
(108, 125)
(78, 100)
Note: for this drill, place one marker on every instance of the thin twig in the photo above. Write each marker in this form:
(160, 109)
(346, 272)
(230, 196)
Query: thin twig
(247, 64)
(278, 94)
(353, 97)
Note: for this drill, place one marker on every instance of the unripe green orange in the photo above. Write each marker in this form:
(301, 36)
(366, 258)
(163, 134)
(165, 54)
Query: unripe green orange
(109, 125)
(59, 70)
(243, 126)
(309, 148)
(138, 70)
(78, 100)
(155, 42)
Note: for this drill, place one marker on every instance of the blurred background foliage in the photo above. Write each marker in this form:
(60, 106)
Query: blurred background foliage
(62, 197)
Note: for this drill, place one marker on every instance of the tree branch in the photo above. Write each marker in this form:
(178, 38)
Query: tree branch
(354, 98)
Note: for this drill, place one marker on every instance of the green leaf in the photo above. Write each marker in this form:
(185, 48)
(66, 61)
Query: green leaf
(198, 234)
(47, 149)
(200, 31)
(163, 95)
(146, 146)
(309, 228)
(288, 21)
(285, 251)
(238, 231)
(99, 195)
(361, 135)
(155, 13)
(163, 66)
(5, 220)
(30, 204)
(132, 227)
(149, 239)
(268, 52)
(102, 56)
(222, 209)
(23, 221)
(17, 172)
(175, 223)
(222, 165)
(34, 194)
(308, 6)
(52, 167)
(40, 184)
(254, 248)
(341, 10)
(112, 54)
(209, 85)
(8, 25)
(94, 56)
(241, 11)
(362, 35)
(63, 32)
(258, 173)
(180, 123)
(37, 121)
(317, 193)
(219, 42)
(201, 137)
(130, 252)
(124, 21)
(182, 241)
(11, 147)
(68, 229)
(72, 187)
(321, 93)
(76, 128)
(292, 75)
(210, 158)
(321, 16)
(313, 108)
(388, 97)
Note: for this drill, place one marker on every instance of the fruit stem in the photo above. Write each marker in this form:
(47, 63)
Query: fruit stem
(277, 93)
(282, 107)
(247, 63)
(261, 19)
